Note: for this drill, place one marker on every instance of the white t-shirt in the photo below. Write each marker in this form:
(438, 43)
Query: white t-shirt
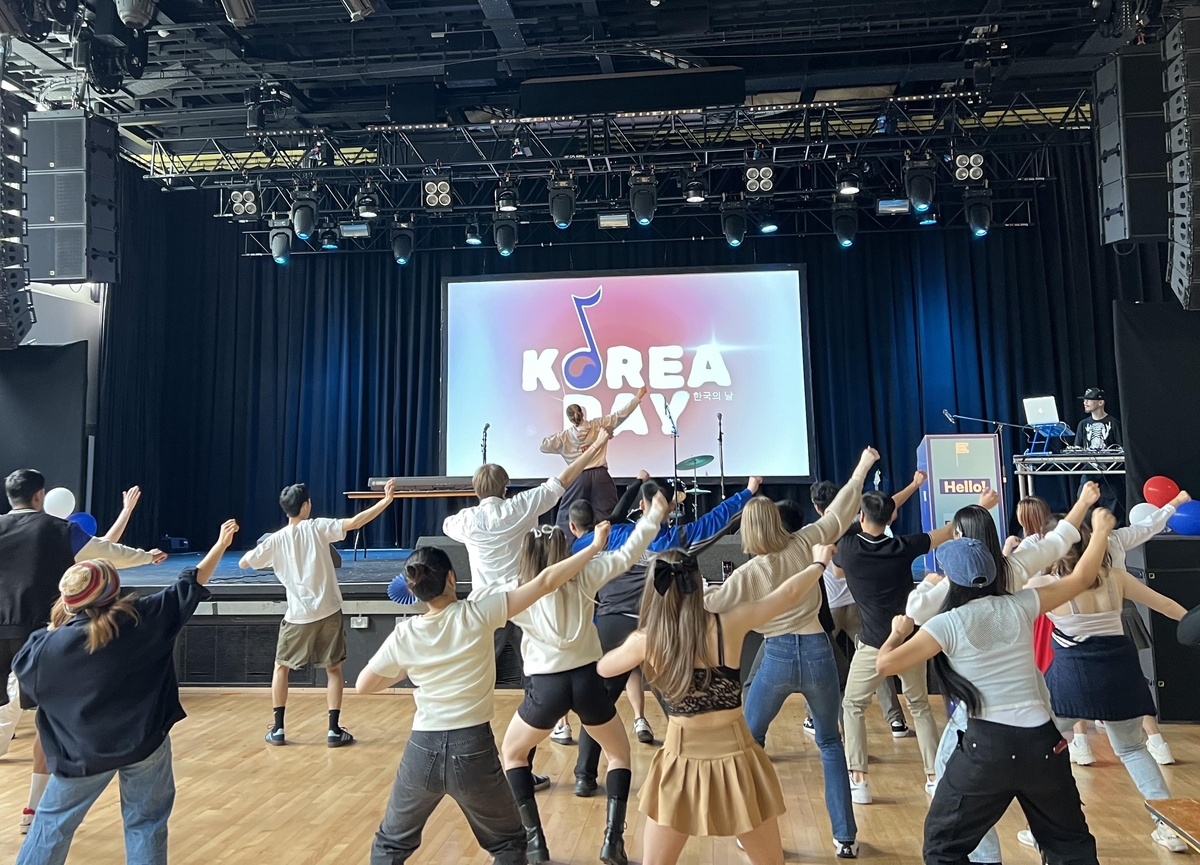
(450, 657)
(836, 591)
(989, 642)
(301, 559)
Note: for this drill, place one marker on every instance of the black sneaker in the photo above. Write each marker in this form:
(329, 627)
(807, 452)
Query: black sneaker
(541, 782)
(845, 849)
(339, 738)
(900, 730)
(275, 736)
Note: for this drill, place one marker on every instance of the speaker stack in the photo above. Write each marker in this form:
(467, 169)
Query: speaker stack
(16, 301)
(1181, 83)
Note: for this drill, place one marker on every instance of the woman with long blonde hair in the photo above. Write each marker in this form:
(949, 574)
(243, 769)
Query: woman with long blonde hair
(710, 778)
(103, 678)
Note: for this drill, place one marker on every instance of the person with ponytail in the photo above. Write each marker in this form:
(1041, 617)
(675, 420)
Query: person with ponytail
(560, 651)
(594, 484)
(710, 778)
(102, 676)
(1012, 573)
(982, 647)
(447, 653)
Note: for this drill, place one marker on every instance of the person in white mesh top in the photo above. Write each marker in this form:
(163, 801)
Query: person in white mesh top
(594, 484)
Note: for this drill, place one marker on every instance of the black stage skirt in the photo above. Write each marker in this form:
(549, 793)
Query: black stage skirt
(1098, 678)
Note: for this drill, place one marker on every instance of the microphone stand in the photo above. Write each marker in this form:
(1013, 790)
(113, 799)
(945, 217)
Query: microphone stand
(721, 453)
(484, 447)
(674, 458)
(998, 424)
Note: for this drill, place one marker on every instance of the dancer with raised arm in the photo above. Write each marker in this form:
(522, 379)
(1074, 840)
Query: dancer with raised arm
(982, 648)
(594, 484)
(797, 654)
(116, 652)
(560, 649)
(710, 777)
(448, 654)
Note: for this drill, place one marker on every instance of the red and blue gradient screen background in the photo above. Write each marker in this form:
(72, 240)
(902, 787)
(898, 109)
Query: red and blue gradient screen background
(517, 353)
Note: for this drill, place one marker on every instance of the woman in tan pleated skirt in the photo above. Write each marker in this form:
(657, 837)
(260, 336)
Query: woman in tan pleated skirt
(710, 777)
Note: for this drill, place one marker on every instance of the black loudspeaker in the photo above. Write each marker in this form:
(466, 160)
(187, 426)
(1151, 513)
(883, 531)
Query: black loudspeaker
(1130, 146)
(1172, 566)
(719, 558)
(458, 558)
(72, 192)
(1181, 83)
(16, 301)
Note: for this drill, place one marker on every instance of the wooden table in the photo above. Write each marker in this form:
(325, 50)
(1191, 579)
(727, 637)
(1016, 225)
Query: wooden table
(1182, 815)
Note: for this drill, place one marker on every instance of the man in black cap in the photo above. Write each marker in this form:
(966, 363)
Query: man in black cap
(1099, 430)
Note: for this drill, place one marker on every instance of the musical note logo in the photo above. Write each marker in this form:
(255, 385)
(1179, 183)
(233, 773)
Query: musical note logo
(582, 368)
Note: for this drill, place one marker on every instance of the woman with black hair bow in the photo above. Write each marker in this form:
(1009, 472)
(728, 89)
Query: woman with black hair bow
(710, 777)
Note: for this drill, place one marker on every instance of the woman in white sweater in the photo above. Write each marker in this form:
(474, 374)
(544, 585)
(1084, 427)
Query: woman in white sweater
(560, 651)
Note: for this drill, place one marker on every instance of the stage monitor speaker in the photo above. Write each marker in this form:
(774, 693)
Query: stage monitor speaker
(719, 558)
(1181, 83)
(72, 193)
(1173, 569)
(457, 553)
(1130, 146)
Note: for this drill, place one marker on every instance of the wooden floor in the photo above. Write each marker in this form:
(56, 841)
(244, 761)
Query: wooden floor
(242, 801)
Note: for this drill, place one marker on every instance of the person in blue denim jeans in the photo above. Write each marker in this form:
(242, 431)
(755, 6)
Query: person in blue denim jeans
(797, 654)
(102, 676)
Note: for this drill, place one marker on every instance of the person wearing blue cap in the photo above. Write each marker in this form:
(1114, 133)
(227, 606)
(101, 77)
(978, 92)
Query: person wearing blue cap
(982, 650)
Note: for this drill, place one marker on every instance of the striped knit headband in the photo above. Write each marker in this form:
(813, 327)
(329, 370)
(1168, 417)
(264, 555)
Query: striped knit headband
(89, 584)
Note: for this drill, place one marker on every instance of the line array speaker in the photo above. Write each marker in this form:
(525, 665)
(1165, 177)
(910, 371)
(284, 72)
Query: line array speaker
(1129, 142)
(73, 194)
(1181, 83)
(16, 301)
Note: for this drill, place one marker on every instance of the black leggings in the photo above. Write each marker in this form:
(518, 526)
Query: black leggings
(992, 765)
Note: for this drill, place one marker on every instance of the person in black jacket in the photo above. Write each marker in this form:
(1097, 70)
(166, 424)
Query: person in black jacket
(103, 678)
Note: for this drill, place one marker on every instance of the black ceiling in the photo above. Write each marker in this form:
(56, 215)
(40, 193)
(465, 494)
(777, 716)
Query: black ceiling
(463, 62)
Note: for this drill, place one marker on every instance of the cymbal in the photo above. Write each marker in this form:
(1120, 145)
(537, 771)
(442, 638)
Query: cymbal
(697, 462)
(696, 491)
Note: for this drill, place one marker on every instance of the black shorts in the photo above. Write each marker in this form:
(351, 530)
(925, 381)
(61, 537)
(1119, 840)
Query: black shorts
(8, 651)
(548, 696)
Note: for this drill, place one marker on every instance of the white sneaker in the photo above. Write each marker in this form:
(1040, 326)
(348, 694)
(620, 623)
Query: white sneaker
(643, 731)
(1026, 838)
(930, 786)
(1160, 750)
(26, 820)
(1081, 751)
(561, 733)
(1165, 836)
(860, 791)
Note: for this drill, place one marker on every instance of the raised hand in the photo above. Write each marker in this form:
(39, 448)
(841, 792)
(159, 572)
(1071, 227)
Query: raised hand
(823, 552)
(643, 475)
(1090, 494)
(130, 498)
(1180, 499)
(659, 508)
(389, 491)
(600, 538)
(1103, 521)
(869, 457)
(642, 391)
(919, 478)
(988, 499)
(753, 484)
(159, 557)
(601, 440)
(1010, 544)
(229, 528)
(902, 626)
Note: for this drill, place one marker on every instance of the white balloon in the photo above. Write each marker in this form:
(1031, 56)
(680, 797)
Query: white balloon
(1141, 513)
(60, 502)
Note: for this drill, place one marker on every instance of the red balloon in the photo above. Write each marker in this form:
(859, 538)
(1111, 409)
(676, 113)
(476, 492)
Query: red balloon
(1159, 490)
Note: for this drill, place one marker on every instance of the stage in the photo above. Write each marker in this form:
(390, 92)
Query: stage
(369, 573)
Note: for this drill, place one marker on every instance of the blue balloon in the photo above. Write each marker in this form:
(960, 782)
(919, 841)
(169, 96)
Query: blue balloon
(84, 520)
(1187, 519)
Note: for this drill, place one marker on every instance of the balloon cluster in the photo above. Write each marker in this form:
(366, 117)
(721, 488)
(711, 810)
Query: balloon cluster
(1159, 490)
(60, 502)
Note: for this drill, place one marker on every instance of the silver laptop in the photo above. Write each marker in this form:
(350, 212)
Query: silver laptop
(1040, 410)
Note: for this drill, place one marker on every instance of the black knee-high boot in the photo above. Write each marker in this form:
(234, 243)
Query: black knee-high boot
(612, 850)
(521, 781)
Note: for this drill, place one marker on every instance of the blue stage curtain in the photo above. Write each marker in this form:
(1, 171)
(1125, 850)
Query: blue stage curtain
(225, 378)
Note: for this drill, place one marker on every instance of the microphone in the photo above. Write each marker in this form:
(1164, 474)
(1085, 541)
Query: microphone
(718, 415)
(949, 416)
(486, 427)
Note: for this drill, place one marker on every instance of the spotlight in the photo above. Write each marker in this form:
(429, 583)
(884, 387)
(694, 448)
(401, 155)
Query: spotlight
(241, 13)
(733, 223)
(694, 190)
(968, 167)
(845, 222)
(929, 217)
(848, 182)
(304, 215)
(643, 197)
(507, 200)
(767, 223)
(977, 207)
(758, 177)
(243, 202)
(136, 14)
(474, 238)
(920, 184)
(504, 232)
(435, 194)
(402, 244)
(329, 237)
(366, 202)
(281, 245)
(562, 201)
(358, 9)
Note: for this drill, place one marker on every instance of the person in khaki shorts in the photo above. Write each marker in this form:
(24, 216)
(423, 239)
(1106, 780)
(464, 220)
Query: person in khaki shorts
(311, 630)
